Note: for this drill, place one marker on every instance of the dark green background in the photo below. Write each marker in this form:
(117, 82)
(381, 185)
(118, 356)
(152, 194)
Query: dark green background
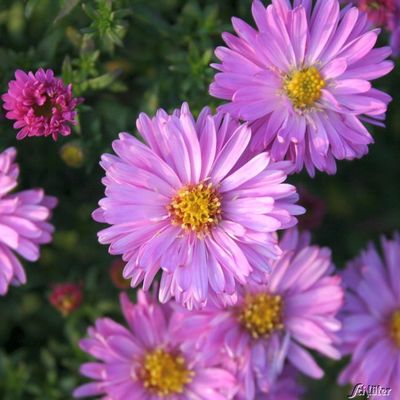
(125, 57)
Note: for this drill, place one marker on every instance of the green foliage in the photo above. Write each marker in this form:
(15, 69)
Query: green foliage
(124, 57)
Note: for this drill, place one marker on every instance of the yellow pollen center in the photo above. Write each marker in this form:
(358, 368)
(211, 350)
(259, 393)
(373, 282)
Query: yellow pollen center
(196, 207)
(261, 314)
(395, 328)
(165, 374)
(303, 87)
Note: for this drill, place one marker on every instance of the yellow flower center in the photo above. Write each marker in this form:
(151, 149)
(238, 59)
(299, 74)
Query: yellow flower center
(196, 207)
(262, 314)
(164, 373)
(395, 328)
(303, 87)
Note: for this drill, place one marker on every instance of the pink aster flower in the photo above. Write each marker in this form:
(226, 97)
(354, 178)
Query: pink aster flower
(184, 203)
(302, 80)
(41, 104)
(148, 361)
(278, 322)
(23, 223)
(371, 318)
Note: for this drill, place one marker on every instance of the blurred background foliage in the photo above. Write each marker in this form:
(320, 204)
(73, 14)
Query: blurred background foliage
(124, 57)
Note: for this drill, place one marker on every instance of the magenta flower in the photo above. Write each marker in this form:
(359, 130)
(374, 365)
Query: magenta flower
(371, 318)
(23, 223)
(185, 204)
(280, 321)
(147, 361)
(303, 83)
(40, 104)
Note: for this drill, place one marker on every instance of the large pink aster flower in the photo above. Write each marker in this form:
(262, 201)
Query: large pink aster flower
(371, 318)
(184, 204)
(270, 324)
(23, 223)
(41, 104)
(148, 361)
(302, 80)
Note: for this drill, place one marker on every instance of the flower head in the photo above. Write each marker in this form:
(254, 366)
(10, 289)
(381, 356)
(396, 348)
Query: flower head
(193, 204)
(371, 317)
(24, 222)
(149, 359)
(66, 297)
(279, 322)
(304, 84)
(41, 104)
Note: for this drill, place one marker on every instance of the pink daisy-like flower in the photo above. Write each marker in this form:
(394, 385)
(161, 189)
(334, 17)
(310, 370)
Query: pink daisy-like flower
(148, 361)
(41, 104)
(23, 223)
(186, 205)
(278, 322)
(371, 318)
(302, 80)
